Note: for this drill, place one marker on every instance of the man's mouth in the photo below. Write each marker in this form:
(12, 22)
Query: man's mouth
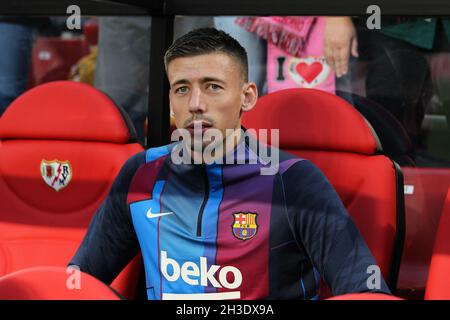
(199, 125)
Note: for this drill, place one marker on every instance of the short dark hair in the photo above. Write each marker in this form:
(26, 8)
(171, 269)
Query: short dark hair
(205, 41)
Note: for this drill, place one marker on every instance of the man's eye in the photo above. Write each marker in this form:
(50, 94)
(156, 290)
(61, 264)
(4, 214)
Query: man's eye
(181, 90)
(214, 87)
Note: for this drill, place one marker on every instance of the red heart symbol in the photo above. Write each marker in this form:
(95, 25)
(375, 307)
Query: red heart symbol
(309, 71)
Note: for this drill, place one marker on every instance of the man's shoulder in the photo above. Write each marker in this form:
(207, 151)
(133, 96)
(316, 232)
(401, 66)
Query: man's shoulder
(291, 164)
(299, 171)
(145, 158)
(135, 161)
(129, 169)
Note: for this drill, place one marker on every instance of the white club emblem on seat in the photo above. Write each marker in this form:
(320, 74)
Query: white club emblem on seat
(56, 174)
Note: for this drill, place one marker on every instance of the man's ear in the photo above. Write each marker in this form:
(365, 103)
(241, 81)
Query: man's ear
(171, 109)
(250, 96)
(172, 114)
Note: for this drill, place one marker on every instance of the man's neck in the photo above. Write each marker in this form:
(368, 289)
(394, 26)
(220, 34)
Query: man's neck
(227, 146)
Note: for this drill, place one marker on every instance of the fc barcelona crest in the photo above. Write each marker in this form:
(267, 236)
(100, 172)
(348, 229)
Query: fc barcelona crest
(244, 225)
(56, 174)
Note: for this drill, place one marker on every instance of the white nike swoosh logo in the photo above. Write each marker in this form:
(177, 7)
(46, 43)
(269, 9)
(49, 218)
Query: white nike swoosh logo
(156, 215)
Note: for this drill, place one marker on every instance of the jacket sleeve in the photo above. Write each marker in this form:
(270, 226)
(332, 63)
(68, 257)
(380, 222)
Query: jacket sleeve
(110, 241)
(326, 231)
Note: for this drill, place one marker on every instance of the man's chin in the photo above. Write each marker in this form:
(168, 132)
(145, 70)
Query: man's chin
(207, 149)
(201, 146)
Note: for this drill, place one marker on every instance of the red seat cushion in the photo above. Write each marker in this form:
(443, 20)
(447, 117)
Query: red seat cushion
(365, 296)
(53, 283)
(438, 284)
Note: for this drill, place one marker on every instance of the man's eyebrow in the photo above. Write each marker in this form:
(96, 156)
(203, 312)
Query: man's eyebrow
(181, 81)
(212, 79)
(203, 80)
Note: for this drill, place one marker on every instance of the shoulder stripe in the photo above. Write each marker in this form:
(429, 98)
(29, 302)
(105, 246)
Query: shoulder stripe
(142, 184)
(154, 153)
(285, 165)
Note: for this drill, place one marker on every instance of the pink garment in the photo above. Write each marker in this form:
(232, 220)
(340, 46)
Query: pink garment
(295, 56)
(288, 33)
(309, 71)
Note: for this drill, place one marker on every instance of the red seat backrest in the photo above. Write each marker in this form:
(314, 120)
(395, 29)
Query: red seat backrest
(438, 284)
(62, 144)
(425, 192)
(325, 129)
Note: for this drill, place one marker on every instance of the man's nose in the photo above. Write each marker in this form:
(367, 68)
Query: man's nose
(196, 103)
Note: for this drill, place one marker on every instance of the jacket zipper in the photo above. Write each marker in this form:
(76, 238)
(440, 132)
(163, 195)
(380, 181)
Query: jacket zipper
(202, 208)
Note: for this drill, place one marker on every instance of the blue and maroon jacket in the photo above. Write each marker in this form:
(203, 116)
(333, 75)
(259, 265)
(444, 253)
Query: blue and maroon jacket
(224, 231)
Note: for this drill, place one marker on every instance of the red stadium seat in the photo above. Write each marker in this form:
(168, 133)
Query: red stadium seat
(53, 57)
(327, 130)
(438, 284)
(365, 296)
(53, 283)
(425, 192)
(61, 146)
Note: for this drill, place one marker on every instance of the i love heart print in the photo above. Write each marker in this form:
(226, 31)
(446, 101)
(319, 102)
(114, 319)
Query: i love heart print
(309, 71)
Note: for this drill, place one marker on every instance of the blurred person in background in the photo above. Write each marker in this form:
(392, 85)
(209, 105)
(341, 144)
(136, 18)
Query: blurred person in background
(16, 40)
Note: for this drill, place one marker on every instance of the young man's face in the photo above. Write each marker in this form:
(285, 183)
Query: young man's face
(209, 89)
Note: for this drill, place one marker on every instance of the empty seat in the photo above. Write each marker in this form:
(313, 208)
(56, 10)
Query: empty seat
(438, 284)
(327, 130)
(62, 144)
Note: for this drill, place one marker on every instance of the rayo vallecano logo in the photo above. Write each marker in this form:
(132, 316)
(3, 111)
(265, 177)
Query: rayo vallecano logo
(56, 174)
(244, 225)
